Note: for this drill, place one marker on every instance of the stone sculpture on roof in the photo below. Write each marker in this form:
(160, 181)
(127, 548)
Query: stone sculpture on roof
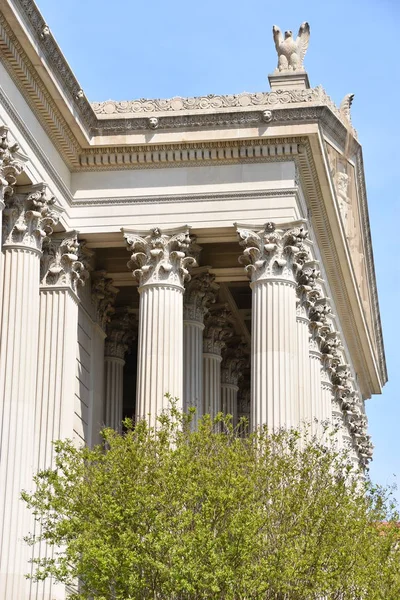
(291, 51)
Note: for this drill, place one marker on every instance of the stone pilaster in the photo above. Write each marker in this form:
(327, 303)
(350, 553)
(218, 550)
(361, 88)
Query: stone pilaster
(28, 220)
(200, 293)
(120, 335)
(160, 262)
(63, 272)
(271, 260)
(218, 330)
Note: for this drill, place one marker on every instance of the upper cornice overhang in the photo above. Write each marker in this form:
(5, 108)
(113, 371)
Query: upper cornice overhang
(118, 135)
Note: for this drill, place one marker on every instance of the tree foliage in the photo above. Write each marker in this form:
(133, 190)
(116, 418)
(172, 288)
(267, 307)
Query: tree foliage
(171, 514)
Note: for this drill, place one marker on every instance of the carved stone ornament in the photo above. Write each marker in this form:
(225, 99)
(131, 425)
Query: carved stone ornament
(272, 252)
(291, 51)
(10, 166)
(61, 263)
(121, 332)
(161, 258)
(103, 297)
(235, 360)
(218, 330)
(29, 219)
(200, 293)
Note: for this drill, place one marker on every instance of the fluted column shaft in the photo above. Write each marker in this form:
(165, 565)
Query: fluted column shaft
(315, 389)
(212, 383)
(114, 391)
(28, 219)
(193, 368)
(304, 408)
(229, 394)
(160, 352)
(273, 354)
(160, 262)
(18, 354)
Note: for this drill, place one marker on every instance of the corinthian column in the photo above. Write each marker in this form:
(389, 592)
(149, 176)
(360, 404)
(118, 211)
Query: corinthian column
(270, 257)
(103, 298)
(160, 261)
(218, 330)
(120, 335)
(200, 293)
(63, 271)
(28, 219)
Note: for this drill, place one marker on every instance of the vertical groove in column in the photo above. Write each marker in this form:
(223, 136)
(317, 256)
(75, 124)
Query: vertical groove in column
(160, 354)
(18, 355)
(274, 351)
(114, 377)
(316, 389)
(212, 383)
(56, 364)
(193, 368)
(304, 413)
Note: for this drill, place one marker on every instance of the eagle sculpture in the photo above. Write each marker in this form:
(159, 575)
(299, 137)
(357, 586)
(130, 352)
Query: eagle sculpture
(291, 52)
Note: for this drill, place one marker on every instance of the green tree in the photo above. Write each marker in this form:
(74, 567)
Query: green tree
(171, 514)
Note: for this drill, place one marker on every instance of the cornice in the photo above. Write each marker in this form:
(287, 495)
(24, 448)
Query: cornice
(177, 199)
(60, 67)
(27, 80)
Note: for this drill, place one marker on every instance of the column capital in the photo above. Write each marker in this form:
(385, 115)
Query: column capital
(200, 293)
(218, 329)
(29, 218)
(274, 252)
(64, 262)
(103, 297)
(233, 364)
(120, 333)
(161, 257)
(10, 166)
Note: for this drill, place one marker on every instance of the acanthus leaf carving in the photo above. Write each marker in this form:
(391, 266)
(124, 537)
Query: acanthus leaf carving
(103, 297)
(63, 263)
(29, 218)
(200, 293)
(218, 330)
(10, 166)
(121, 332)
(161, 258)
(272, 252)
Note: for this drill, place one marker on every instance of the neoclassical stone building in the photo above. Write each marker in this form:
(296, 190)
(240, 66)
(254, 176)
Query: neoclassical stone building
(248, 285)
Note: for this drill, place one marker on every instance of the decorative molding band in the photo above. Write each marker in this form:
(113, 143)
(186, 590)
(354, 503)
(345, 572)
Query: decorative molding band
(35, 94)
(45, 40)
(9, 108)
(173, 199)
(204, 153)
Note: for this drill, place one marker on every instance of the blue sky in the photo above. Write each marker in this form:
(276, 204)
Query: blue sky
(127, 49)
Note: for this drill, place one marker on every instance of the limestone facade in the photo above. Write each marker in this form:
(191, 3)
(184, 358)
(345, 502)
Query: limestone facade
(214, 248)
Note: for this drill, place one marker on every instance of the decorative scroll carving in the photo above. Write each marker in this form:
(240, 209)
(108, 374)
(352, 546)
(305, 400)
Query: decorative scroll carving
(121, 332)
(161, 258)
(271, 252)
(218, 330)
(63, 263)
(345, 107)
(200, 293)
(103, 297)
(29, 219)
(291, 52)
(177, 104)
(10, 166)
